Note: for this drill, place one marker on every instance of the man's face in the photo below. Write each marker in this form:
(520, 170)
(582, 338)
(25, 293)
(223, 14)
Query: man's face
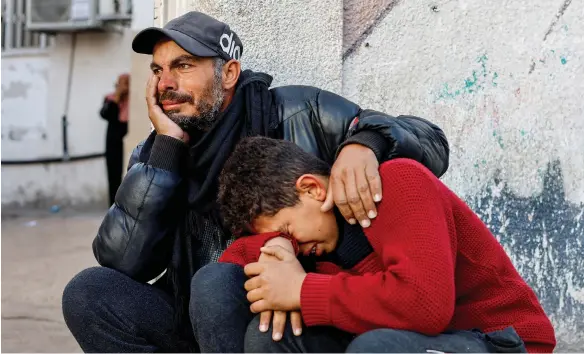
(315, 231)
(190, 90)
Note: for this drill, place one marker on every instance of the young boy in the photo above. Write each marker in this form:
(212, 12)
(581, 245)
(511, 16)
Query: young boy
(427, 270)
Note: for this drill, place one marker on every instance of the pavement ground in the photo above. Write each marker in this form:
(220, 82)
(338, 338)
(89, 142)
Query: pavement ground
(41, 252)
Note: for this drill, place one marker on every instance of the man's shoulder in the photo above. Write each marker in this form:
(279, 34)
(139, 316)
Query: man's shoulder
(292, 99)
(290, 93)
(302, 93)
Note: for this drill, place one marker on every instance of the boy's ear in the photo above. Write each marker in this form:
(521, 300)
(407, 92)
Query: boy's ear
(312, 186)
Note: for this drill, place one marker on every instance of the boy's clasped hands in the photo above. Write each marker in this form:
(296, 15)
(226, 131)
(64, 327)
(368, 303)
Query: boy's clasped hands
(274, 286)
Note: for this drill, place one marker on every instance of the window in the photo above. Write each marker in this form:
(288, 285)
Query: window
(15, 37)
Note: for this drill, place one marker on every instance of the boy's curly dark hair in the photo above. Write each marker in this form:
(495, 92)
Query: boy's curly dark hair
(259, 178)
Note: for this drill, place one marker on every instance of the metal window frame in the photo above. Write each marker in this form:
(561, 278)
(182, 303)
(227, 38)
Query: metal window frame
(17, 39)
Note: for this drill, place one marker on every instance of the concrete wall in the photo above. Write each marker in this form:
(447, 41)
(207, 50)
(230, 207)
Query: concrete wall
(504, 80)
(501, 78)
(139, 124)
(33, 103)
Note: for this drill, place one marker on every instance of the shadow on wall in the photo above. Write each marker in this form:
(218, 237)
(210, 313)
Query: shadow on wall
(544, 235)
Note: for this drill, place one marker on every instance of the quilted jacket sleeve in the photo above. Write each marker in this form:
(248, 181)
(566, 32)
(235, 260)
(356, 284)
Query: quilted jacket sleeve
(408, 137)
(389, 137)
(135, 236)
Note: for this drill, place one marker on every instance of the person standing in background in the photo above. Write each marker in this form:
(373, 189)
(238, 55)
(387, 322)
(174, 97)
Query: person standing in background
(115, 111)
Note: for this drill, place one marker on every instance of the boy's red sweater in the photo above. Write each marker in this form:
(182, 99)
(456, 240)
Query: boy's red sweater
(435, 266)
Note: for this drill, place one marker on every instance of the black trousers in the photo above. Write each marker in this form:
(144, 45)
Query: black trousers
(222, 322)
(106, 311)
(114, 157)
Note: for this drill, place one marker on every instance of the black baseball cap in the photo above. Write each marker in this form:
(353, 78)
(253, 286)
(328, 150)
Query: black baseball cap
(195, 32)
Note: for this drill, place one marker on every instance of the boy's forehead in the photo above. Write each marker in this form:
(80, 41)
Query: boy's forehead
(268, 223)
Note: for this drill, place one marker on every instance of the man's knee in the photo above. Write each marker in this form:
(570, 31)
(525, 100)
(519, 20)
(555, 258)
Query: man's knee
(84, 293)
(382, 341)
(213, 279)
(212, 286)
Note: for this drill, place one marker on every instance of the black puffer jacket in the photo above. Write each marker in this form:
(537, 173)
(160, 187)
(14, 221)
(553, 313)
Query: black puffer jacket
(135, 237)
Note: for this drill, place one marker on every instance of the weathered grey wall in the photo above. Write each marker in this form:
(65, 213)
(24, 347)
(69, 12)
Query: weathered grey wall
(280, 36)
(503, 78)
(33, 103)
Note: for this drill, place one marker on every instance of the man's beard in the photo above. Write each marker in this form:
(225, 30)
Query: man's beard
(208, 106)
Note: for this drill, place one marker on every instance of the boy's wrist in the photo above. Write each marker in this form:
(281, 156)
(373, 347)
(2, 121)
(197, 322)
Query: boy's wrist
(282, 242)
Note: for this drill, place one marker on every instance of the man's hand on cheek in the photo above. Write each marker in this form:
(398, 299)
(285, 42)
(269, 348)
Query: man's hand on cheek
(161, 122)
(355, 185)
(275, 285)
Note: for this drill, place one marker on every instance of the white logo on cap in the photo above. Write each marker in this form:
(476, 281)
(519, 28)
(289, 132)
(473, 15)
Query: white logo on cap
(230, 48)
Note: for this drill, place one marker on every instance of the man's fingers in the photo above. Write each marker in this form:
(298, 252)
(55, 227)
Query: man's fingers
(265, 318)
(296, 321)
(154, 110)
(252, 283)
(329, 201)
(278, 252)
(278, 325)
(148, 88)
(365, 193)
(372, 173)
(337, 185)
(253, 269)
(152, 91)
(259, 306)
(160, 121)
(355, 199)
(255, 295)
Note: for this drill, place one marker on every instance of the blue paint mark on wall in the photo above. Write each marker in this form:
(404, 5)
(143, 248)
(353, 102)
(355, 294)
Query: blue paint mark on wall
(499, 139)
(545, 235)
(477, 81)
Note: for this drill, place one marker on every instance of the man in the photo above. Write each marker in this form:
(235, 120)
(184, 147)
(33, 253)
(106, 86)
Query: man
(165, 217)
(427, 275)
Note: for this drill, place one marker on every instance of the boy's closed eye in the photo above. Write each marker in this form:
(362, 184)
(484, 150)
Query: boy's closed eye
(309, 248)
